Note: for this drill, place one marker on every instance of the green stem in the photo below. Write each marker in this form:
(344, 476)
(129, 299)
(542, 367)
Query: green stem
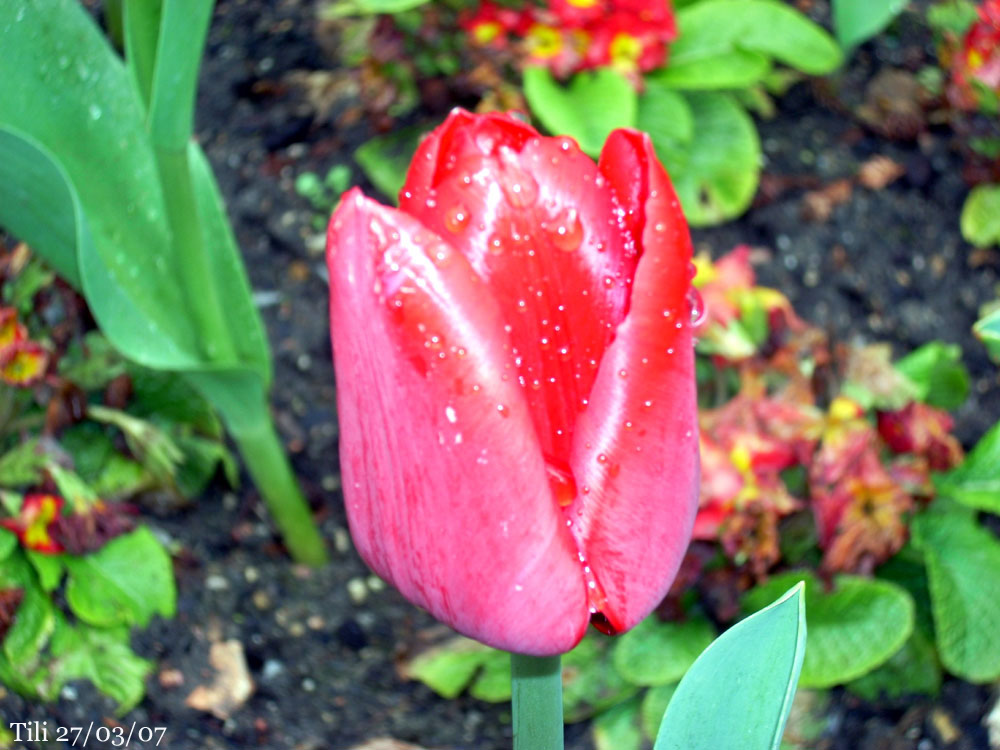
(265, 459)
(536, 698)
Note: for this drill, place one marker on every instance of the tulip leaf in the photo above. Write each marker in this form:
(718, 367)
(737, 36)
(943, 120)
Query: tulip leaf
(980, 221)
(963, 572)
(716, 174)
(937, 371)
(852, 629)
(666, 115)
(856, 21)
(739, 691)
(659, 653)
(987, 329)
(618, 727)
(976, 481)
(737, 37)
(126, 582)
(595, 103)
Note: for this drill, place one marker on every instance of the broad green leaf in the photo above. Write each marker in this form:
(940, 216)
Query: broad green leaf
(385, 159)
(618, 727)
(987, 329)
(952, 16)
(22, 465)
(35, 618)
(590, 683)
(937, 371)
(48, 568)
(493, 683)
(739, 692)
(367, 7)
(659, 653)
(976, 481)
(980, 222)
(963, 570)
(8, 543)
(126, 582)
(716, 174)
(727, 69)
(666, 116)
(856, 21)
(103, 656)
(741, 32)
(852, 629)
(164, 396)
(595, 103)
(654, 705)
(913, 670)
(449, 668)
(91, 363)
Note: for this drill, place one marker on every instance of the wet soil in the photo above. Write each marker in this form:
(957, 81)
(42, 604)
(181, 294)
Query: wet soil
(323, 646)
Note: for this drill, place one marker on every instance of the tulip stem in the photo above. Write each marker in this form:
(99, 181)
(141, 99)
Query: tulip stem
(536, 698)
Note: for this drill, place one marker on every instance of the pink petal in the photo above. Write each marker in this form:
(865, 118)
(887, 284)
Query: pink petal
(444, 477)
(635, 451)
(539, 223)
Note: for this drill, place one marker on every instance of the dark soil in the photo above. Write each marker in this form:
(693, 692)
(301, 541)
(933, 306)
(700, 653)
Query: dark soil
(887, 265)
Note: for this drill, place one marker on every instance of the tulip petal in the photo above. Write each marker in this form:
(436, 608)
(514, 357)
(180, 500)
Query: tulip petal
(540, 225)
(444, 479)
(635, 451)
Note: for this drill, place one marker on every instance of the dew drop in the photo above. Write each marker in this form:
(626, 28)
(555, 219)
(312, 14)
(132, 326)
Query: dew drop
(544, 342)
(519, 187)
(648, 404)
(562, 483)
(95, 112)
(566, 231)
(449, 413)
(697, 307)
(494, 244)
(602, 458)
(457, 218)
(503, 411)
(608, 282)
(564, 353)
(622, 373)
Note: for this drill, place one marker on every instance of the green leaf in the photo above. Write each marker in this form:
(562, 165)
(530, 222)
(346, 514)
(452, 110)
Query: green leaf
(937, 371)
(856, 21)
(726, 69)
(666, 116)
(493, 683)
(91, 363)
(595, 103)
(385, 159)
(590, 683)
(659, 653)
(913, 670)
(35, 618)
(618, 727)
(48, 568)
(103, 656)
(8, 543)
(22, 465)
(963, 570)
(367, 7)
(716, 174)
(987, 329)
(976, 481)
(980, 222)
(952, 16)
(852, 629)
(654, 705)
(739, 692)
(126, 582)
(728, 43)
(448, 669)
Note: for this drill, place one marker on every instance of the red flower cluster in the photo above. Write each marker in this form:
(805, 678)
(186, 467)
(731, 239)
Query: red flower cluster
(22, 361)
(977, 64)
(860, 470)
(567, 36)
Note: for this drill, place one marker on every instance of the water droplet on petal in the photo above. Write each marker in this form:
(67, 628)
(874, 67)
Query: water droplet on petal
(449, 413)
(456, 218)
(697, 304)
(562, 483)
(566, 231)
(503, 411)
(494, 244)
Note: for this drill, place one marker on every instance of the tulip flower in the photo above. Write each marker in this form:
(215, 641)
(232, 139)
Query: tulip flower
(515, 382)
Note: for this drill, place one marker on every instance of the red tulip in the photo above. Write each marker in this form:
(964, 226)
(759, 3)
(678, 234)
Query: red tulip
(515, 382)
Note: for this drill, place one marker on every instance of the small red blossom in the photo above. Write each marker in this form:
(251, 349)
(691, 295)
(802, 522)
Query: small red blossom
(11, 331)
(923, 431)
(33, 524)
(23, 363)
(978, 61)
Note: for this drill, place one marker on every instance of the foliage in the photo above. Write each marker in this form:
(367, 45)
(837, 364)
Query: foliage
(141, 261)
(856, 21)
